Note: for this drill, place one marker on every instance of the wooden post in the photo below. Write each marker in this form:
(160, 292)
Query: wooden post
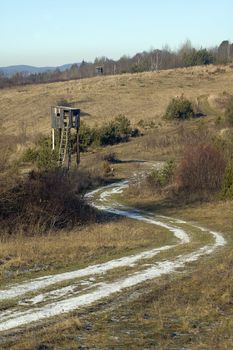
(77, 149)
(69, 150)
(53, 139)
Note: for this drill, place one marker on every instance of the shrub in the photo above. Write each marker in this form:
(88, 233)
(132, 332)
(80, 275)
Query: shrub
(197, 57)
(179, 108)
(122, 125)
(45, 200)
(116, 131)
(229, 113)
(227, 184)
(47, 159)
(30, 155)
(218, 121)
(159, 178)
(135, 132)
(86, 137)
(201, 169)
(150, 124)
(108, 135)
(42, 156)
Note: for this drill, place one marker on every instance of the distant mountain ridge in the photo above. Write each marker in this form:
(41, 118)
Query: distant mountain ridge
(11, 70)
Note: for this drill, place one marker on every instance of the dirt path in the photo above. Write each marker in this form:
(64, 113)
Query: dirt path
(53, 295)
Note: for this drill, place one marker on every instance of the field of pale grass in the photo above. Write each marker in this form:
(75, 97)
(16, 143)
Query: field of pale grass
(192, 310)
(22, 256)
(138, 96)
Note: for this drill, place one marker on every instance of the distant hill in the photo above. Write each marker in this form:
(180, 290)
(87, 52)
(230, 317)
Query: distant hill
(11, 70)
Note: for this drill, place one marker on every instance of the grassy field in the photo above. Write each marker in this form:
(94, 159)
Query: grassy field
(38, 255)
(189, 310)
(138, 96)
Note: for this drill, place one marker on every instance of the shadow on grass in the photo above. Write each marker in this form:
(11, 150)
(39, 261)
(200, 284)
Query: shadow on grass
(130, 161)
(163, 205)
(199, 115)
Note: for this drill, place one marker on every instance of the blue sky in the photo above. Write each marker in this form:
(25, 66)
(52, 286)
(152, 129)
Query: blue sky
(54, 32)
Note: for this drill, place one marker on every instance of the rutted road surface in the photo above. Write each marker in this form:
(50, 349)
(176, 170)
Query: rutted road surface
(85, 286)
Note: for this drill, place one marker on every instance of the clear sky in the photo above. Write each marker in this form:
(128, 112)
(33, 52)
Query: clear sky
(54, 32)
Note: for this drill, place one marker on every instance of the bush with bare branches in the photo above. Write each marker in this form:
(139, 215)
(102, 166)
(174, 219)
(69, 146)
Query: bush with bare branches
(45, 200)
(201, 170)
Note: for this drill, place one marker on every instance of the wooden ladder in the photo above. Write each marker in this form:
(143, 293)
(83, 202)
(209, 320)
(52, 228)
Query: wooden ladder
(64, 141)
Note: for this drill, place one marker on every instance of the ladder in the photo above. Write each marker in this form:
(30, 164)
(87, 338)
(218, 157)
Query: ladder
(64, 140)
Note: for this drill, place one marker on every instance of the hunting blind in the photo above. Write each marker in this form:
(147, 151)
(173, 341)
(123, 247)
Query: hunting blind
(99, 70)
(63, 121)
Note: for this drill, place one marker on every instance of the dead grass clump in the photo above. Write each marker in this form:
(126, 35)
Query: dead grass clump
(4, 159)
(110, 157)
(154, 140)
(9, 150)
(223, 100)
(219, 70)
(146, 124)
(193, 136)
(65, 325)
(108, 170)
(229, 112)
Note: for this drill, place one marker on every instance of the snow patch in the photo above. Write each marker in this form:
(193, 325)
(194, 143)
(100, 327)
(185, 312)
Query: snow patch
(14, 318)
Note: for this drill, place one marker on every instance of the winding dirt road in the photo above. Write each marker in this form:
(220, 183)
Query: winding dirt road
(52, 295)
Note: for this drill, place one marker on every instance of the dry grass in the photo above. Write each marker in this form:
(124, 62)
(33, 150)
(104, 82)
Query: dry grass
(186, 311)
(216, 215)
(26, 256)
(138, 96)
(142, 96)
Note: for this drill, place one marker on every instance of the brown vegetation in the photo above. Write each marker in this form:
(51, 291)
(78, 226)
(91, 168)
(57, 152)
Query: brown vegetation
(46, 200)
(201, 169)
(192, 310)
(102, 99)
(22, 255)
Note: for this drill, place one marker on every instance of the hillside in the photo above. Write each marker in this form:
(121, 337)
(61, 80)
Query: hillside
(138, 96)
(117, 254)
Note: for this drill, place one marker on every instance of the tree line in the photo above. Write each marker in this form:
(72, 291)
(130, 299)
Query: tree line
(152, 60)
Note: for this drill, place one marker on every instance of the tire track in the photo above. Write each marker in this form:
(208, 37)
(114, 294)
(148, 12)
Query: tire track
(102, 200)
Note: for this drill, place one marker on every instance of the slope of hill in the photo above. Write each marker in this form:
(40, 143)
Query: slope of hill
(138, 96)
(191, 309)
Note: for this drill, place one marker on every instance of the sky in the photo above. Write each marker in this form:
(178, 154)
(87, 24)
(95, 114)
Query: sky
(55, 32)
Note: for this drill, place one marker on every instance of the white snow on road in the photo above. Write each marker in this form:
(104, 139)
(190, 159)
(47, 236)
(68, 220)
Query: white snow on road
(101, 199)
(19, 289)
(20, 318)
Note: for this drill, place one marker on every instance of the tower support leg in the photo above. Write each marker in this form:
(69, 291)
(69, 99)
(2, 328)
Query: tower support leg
(53, 139)
(78, 148)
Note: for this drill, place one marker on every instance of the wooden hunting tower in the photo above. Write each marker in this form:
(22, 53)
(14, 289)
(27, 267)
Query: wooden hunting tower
(63, 120)
(99, 70)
